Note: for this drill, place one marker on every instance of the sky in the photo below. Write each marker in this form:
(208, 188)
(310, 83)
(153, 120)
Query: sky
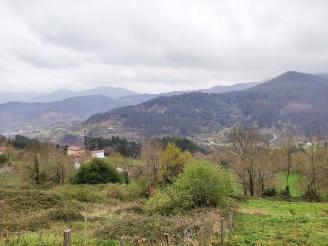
(156, 46)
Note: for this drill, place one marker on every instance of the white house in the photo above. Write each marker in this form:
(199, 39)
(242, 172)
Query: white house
(100, 154)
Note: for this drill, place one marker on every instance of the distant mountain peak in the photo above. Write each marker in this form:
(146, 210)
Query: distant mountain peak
(292, 75)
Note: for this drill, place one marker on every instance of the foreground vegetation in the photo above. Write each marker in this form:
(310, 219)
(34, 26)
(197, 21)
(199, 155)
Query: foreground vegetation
(167, 189)
(270, 222)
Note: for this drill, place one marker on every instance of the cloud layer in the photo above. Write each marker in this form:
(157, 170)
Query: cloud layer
(153, 45)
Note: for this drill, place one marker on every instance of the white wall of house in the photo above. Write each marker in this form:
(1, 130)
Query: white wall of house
(98, 154)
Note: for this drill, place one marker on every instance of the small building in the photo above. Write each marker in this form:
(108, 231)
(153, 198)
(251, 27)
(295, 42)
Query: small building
(75, 151)
(77, 163)
(3, 150)
(100, 154)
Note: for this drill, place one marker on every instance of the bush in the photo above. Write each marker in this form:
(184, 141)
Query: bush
(66, 214)
(4, 158)
(82, 193)
(13, 222)
(269, 192)
(30, 199)
(151, 229)
(200, 185)
(124, 192)
(96, 172)
(312, 196)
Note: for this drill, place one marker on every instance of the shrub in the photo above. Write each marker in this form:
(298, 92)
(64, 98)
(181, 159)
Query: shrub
(82, 193)
(200, 185)
(26, 222)
(312, 196)
(269, 192)
(66, 214)
(96, 172)
(30, 199)
(124, 192)
(4, 158)
(150, 230)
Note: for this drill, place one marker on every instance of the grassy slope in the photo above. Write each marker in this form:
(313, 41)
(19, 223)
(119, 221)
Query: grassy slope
(265, 222)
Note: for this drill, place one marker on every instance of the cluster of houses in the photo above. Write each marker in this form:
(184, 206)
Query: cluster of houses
(80, 155)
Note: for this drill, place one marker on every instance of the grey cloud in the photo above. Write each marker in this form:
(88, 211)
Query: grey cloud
(170, 44)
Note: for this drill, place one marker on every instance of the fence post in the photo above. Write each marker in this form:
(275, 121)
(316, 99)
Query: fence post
(222, 231)
(85, 225)
(202, 236)
(68, 237)
(122, 241)
(231, 219)
(167, 241)
(186, 236)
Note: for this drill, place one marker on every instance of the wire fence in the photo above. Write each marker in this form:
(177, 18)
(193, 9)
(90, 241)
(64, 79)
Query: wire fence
(68, 238)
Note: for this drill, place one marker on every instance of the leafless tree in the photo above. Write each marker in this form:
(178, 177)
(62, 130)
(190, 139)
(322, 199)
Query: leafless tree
(245, 143)
(151, 155)
(264, 168)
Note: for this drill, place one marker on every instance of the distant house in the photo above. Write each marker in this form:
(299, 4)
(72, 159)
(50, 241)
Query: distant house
(75, 151)
(100, 154)
(78, 153)
(3, 150)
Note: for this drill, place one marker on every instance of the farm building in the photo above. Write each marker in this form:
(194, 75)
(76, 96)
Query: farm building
(98, 154)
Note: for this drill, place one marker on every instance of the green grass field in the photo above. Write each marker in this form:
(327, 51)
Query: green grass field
(266, 222)
(294, 183)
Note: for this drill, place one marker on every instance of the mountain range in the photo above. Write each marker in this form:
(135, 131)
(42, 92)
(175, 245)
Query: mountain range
(292, 100)
(34, 111)
(19, 117)
(113, 92)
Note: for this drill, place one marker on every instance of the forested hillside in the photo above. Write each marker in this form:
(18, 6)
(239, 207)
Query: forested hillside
(290, 100)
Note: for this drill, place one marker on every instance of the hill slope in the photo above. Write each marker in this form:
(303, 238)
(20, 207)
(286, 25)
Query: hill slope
(113, 92)
(17, 96)
(228, 88)
(292, 98)
(16, 116)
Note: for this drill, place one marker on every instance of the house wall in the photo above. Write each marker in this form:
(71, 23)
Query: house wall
(100, 155)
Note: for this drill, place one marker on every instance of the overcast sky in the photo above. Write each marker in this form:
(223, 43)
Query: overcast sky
(153, 46)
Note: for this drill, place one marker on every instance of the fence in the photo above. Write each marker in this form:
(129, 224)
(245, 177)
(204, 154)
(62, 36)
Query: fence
(226, 225)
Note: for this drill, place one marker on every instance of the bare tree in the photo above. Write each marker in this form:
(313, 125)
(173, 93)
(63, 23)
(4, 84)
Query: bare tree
(151, 154)
(264, 168)
(316, 169)
(245, 143)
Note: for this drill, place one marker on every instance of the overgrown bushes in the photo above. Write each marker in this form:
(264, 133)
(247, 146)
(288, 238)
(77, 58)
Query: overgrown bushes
(200, 185)
(269, 192)
(66, 213)
(30, 199)
(97, 172)
(150, 230)
(82, 193)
